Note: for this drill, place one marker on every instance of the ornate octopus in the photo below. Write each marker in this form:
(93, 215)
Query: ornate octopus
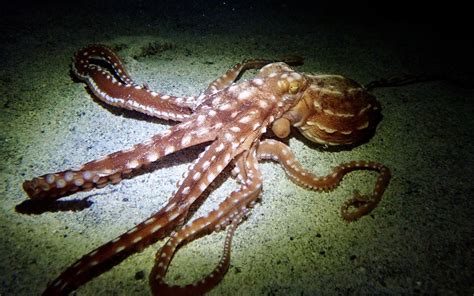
(231, 118)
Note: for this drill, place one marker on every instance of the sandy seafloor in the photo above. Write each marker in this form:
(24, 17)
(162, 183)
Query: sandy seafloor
(419, 241)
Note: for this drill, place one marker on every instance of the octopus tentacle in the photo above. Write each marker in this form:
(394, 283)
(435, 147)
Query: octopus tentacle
(230, 211)
(112, 253)
(104, 54)
(361, 205)
(200, 174)
(236, 71)
(353, 208)
(159, 287)
(113, 85)
(206, 168)
(113, 167)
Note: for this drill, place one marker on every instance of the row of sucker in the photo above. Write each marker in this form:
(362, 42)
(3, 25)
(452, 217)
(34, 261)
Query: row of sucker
(154, 228)
(352, 209)
(112, 168)
(113, 85)
(229, 212)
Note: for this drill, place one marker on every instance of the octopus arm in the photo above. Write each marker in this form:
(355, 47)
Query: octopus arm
(112, 253)
(353, 208)
(112, 168)
(230, 212)
(103, 72)
(162, 223)
(156, 227)
(234, 73)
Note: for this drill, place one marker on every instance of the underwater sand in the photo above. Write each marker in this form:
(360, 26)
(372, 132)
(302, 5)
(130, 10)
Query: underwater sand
(419, 240)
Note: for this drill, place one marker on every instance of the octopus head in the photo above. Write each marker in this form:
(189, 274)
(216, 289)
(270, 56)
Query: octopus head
(333, 110)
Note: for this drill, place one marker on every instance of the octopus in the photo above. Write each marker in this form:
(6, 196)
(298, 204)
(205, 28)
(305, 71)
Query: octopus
(239, 123)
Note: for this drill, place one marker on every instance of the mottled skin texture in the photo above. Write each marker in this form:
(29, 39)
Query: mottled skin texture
(231, 118)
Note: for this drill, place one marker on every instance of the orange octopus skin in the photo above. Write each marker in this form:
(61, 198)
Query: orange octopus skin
(231, 117)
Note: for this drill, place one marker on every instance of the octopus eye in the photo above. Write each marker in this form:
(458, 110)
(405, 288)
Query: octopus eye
(294, 87)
